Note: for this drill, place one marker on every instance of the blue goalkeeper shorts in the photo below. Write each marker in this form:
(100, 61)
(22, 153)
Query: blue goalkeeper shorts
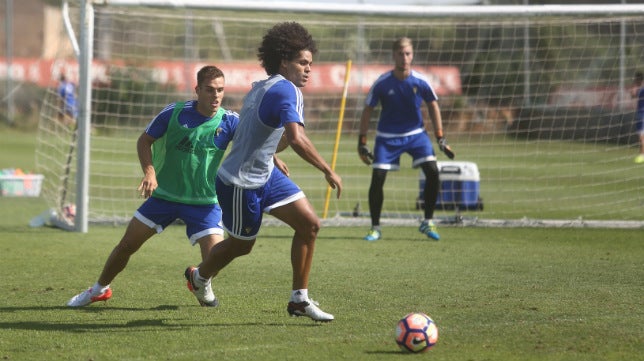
(387, 150)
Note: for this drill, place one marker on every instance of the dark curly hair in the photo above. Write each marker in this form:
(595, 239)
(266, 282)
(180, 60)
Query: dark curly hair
(284, 41)
(639, 77)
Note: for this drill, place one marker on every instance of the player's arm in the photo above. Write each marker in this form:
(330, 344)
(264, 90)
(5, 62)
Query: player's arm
(144, 150)
(155, 130)
(637, 84)
(635, 88)
(283, 144)
(302, 145)
(280, 164)
(363, 151)
(437, 123)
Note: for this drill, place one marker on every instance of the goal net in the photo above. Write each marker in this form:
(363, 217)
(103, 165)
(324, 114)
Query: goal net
(536, 98)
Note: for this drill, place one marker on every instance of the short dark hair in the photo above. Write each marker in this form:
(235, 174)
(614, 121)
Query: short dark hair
(639, 77)
(208, 72)
(284, 41)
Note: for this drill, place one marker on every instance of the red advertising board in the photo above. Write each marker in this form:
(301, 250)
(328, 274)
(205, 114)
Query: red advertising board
(325, 78)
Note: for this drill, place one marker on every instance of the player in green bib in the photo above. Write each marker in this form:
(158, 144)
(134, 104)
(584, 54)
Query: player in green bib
(180, 152)
(186, 160)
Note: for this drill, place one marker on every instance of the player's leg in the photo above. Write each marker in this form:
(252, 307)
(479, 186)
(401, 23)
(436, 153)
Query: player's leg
(430, 195)
(640, 131)
(151, 218)
(200, 278)
(288, 203)
(135, 235)
(206, 298)
(419, 146)
(207, 243)
(203, 227)
(244, 205)
(386, 157)
(299, 215)
(432, 187)
(376, 200)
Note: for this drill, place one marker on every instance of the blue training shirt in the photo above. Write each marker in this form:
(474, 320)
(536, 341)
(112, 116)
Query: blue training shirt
(67, 91)
(191, 118)
(401, 101)
(640, 103)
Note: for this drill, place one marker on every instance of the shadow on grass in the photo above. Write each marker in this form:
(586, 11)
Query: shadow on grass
(141, 324)
(389, 352)
(88, 309)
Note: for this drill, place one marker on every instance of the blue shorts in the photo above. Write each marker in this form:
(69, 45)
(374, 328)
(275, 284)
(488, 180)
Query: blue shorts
(387, 151)
(243, 209)
(200, 220)
(71, 110)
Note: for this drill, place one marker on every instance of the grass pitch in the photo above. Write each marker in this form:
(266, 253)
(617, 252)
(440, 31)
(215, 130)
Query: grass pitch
(495, 294)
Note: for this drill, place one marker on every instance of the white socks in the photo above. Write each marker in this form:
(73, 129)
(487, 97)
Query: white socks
(300, 295)
(200, 279)
(98, 289)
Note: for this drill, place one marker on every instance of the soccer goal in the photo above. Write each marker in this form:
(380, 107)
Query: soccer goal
(536, 96)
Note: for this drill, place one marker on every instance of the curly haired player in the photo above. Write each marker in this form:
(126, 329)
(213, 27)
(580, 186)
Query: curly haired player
(247, 183)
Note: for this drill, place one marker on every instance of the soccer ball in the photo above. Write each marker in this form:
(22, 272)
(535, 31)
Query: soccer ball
(416, 332)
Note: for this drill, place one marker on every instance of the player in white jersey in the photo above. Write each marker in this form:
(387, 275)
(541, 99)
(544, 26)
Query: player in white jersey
(248, 184)
(401, 129)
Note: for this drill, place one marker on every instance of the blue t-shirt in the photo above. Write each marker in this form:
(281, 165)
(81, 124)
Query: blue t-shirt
(281, 104)
(401, 101)
(67, 92)
(640, 104)
(191, 118)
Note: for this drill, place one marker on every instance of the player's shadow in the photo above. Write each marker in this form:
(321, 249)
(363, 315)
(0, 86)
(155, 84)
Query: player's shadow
(150, 324)
(87, 309)
(388, 352)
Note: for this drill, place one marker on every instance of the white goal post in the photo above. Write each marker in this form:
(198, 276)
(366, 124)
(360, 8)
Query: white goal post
(537, 96)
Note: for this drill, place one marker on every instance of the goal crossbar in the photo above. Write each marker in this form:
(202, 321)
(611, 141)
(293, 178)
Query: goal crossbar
(391, 10)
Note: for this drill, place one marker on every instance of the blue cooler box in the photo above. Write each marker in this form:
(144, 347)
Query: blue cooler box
(460, 186)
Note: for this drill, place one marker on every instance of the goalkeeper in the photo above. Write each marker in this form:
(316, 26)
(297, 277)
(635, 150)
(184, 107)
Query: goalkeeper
(401, 129)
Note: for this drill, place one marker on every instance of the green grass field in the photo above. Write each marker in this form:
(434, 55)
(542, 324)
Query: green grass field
(495, 294)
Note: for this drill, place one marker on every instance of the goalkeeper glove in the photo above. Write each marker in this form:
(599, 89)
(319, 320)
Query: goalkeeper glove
(445, 148)
(363, 151)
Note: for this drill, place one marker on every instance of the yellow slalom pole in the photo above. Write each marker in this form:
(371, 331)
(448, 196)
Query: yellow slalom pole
(337, 134)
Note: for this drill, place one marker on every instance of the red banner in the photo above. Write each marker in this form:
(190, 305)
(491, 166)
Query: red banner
(325, 78)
